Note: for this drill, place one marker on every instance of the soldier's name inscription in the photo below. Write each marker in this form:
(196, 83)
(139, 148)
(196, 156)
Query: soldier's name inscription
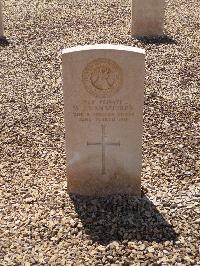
(103, 111)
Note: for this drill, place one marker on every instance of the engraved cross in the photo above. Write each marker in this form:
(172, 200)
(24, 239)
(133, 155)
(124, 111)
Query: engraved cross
(103, 144)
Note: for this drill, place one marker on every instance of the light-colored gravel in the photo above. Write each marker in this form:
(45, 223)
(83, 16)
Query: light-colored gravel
(40, 223)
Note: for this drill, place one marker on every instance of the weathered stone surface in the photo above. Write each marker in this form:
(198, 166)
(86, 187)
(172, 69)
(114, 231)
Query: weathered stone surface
(147, 17)
(103, 96)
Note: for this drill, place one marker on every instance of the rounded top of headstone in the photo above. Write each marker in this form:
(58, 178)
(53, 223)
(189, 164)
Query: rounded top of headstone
(102, 47)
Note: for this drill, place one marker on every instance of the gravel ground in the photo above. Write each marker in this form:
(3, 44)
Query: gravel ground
(40, 223)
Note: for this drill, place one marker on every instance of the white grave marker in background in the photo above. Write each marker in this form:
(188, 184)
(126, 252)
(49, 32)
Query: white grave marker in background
(1, 20)
(148, 17)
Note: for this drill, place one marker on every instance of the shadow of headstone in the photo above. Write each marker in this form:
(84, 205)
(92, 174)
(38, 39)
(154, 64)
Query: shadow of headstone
(119, 218)
(3, 41)
(165, 39)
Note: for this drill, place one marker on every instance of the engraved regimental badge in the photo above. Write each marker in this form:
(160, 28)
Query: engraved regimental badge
(102, 77)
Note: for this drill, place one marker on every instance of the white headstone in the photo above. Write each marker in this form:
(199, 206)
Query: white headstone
(148, 17)
(103, 99)
(1, 20)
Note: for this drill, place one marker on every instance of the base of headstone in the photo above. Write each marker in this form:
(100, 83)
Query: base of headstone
(97, 185)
